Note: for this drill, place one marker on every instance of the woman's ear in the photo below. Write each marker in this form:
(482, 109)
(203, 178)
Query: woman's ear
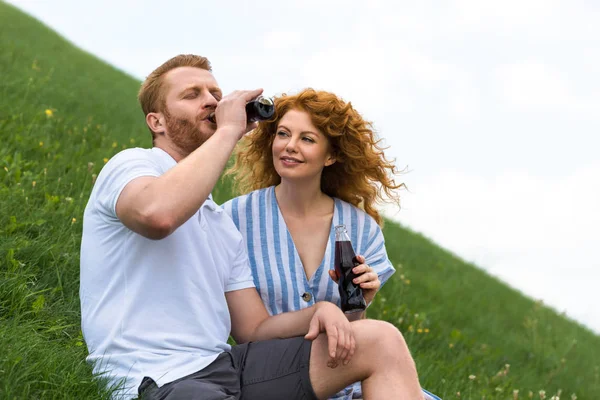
(330, 160)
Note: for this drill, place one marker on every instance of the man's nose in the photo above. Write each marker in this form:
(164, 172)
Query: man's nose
(209, 101)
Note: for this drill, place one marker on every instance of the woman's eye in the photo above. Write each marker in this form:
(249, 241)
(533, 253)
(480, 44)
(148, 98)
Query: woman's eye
(281, 133)
(307, 139)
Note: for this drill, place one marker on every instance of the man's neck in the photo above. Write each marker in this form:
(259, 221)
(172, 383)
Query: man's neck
(171, 150)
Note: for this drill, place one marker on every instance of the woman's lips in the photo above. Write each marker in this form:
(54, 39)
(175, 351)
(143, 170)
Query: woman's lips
(290, 161)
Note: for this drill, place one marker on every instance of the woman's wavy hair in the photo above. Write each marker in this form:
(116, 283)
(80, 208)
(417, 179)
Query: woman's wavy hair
(361, 174)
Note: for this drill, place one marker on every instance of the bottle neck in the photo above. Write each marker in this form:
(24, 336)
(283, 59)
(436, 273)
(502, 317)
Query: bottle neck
(341, 234)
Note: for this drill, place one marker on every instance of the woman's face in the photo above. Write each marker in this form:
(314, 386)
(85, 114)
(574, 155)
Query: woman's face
(300, 150)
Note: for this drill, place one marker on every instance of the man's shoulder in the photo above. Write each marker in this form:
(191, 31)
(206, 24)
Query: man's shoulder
(134, 153)
(136, 159)
(125, 166)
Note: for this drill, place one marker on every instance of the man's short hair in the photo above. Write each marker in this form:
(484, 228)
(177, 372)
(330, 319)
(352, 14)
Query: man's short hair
(152, 93)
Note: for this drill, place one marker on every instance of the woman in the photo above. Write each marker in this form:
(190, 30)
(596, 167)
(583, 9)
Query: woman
(316, 164)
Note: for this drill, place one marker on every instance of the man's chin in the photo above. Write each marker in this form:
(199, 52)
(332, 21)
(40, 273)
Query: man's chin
(207, 126)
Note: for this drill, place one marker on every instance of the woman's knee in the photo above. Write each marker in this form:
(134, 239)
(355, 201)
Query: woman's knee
(382, 337)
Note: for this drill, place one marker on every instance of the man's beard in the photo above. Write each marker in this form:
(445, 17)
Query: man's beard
(185, 133)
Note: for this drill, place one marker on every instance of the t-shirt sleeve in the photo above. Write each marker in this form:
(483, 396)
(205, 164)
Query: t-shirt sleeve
(227, 207)
(117, 173)
(376, 254)
(241, 275)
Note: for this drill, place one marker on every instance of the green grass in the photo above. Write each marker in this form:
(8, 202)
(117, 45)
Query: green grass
(63, 112)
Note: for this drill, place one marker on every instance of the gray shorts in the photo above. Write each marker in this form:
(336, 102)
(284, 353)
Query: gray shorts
(266, 370)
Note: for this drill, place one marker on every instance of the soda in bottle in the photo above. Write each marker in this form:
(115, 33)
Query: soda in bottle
(259, 109)
(351, 295)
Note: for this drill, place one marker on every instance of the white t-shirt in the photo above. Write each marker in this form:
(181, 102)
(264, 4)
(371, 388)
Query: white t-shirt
(155, 308)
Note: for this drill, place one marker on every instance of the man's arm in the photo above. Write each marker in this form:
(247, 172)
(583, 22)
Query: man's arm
(155, 206)
(251, 322)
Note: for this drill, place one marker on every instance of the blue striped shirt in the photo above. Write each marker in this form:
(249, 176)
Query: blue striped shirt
(276, 266)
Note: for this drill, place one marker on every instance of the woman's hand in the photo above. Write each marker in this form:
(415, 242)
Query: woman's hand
(328, 318)
(367, 279)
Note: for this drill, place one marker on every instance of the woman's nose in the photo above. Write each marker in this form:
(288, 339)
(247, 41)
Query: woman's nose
(290, 147)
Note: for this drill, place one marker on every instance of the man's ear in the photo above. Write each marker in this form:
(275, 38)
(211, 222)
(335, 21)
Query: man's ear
(156, 122)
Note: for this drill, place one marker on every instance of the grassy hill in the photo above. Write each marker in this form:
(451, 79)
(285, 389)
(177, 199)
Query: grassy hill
(63, 113)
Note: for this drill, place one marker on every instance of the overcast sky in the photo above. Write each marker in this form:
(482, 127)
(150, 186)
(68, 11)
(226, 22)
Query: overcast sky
(491, 106)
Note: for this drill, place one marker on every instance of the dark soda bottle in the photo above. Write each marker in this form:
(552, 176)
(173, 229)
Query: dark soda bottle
(259, 109)
(351, 295)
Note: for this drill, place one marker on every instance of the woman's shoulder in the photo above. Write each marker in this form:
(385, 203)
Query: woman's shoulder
(357, 220)
(348, 208)
(239, 203)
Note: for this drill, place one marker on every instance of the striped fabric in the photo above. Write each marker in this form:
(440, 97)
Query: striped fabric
(274, 260)
(276, 266)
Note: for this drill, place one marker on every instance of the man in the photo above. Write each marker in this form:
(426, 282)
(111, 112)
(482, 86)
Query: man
(165, 276)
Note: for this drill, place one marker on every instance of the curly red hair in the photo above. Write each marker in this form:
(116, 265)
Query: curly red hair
(361, 174)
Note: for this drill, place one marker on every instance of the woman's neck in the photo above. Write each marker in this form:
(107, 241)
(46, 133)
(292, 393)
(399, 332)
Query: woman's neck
(300, 199)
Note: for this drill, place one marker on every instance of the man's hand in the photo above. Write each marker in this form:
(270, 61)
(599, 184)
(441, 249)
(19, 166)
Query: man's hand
(366, 277)
(330, 319)
(231, 112)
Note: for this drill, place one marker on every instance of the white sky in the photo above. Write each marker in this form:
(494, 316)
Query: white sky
(492, 106)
